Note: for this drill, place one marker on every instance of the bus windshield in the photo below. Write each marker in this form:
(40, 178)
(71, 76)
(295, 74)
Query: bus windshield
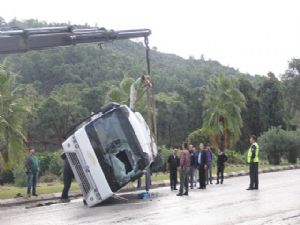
(116, 147)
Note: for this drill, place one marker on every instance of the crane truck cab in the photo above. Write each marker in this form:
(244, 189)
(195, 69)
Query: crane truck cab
(108, 150)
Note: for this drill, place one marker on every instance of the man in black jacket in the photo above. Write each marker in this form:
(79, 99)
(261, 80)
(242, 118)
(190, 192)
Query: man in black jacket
(222, 158)
(201, 161)
(173, 162)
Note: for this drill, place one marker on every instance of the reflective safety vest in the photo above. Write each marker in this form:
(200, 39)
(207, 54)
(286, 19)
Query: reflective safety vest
(256, 159)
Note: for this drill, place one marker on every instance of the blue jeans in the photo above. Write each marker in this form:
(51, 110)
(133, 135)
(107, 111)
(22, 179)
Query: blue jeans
(32, 178)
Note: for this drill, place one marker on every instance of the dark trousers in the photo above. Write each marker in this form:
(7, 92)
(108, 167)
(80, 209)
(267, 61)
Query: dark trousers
(173, 179)
(220, 173)
(184, 180)
(253, 172)
(202, 177)
(68, 176)
(32, 178)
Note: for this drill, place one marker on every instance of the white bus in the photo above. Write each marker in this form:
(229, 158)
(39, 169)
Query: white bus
(108, 150)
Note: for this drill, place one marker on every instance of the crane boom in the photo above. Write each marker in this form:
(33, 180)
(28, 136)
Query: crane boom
(22, 40)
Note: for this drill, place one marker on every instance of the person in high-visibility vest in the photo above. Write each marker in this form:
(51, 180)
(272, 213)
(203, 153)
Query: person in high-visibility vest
(253, 160)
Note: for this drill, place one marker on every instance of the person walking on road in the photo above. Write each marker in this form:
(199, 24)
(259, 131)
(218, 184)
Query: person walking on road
(253, 160)
(222, 158)
(184, 170)
(201, 158)
(32, 169)
(173, 162)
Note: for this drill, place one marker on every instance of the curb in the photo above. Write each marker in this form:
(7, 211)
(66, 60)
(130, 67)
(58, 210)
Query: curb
(131, 187)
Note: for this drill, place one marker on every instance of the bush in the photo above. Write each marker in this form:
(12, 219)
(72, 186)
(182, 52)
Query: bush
(293, 146)
(56, 164)
(20, 177)
(6, 176)
(278, 143)
(235, 157)
(198, 136)
(50, 162)
(44, 161)
(160, 163)
(48, 178)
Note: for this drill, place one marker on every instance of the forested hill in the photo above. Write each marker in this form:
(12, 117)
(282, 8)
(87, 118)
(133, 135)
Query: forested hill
(65, 84)
(91, 64)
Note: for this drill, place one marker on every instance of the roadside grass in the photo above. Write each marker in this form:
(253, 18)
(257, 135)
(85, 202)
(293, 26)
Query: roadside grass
(10, 191)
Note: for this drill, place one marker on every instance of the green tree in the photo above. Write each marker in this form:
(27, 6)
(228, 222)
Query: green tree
(12, 113)
(59, 112)
(222, 116)
(171, 119)
(272, 108)
(250, 114)
(291, 81)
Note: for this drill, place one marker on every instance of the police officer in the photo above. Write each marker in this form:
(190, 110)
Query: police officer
(252, 159)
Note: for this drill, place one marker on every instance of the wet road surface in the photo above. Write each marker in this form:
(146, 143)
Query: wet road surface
(277, 202)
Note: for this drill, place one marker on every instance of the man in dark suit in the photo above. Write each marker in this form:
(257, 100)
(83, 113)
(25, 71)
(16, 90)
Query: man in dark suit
(201, 162)
(173, 162)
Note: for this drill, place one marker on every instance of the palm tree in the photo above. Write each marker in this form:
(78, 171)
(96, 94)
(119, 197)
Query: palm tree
(121, 94)
(144, 102)
(222, 115)
(12, 113)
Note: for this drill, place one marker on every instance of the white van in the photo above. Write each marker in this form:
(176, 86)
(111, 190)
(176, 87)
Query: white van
(108, 150)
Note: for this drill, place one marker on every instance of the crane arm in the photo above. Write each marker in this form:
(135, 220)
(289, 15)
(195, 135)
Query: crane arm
(22, 40)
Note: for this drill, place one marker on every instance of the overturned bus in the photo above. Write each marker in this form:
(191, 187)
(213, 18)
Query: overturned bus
(108, 150)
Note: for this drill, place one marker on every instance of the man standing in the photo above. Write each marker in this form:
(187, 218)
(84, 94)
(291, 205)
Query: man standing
(222, 158)
(252, 159)
(184, 170)
(201, 158)
(209, 164)
(192, 166)
(32, 168)
(173, 162)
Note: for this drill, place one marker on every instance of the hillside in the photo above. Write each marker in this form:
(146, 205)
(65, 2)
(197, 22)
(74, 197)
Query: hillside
(79, 78)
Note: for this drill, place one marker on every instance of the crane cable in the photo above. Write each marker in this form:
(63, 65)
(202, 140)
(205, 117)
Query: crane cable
(151, 112)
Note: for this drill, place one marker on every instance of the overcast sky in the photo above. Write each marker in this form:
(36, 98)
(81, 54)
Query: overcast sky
(254, 36)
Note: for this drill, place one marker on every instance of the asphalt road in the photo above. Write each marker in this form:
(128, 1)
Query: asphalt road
(277, 202)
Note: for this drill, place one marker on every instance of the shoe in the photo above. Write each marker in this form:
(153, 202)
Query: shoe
(179, 194)
(256, 188)
(35, 195)
(64, 200)
(249, 189)
(175, 189)
(185, 193)
(211, 182)
(217, 183)
(192, 187)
